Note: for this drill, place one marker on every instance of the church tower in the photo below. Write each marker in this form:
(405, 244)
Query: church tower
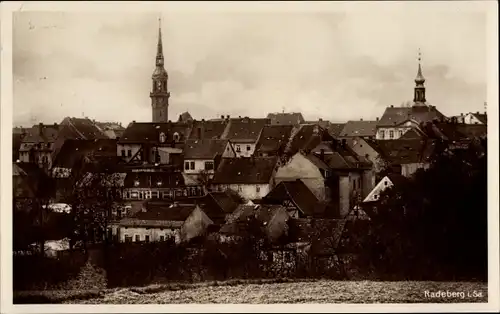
(419, 93)
(159, 93)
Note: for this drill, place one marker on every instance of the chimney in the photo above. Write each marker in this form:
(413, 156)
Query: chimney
(133, 121)
(461, 114)
(228, 116)
(320, 120)
(55, 124)
(40, 129)
(322, 154)
(477, 112)
(376, 119)
(361, 119)
(222, 117)
(392, 106)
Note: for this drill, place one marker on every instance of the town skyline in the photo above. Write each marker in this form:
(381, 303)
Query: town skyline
(244, 71)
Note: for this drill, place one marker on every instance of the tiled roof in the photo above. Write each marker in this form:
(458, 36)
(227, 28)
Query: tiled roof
(46, 133)
(402, 151)
(273, 138)
(359, 128)
(204, 149)
(207, 129)
(149, 132)
(335, 128)
(473, 130)
(254, 170)
(160, 214)
(80, 128)
(397, 179)
(236, 224)
(483, 117)
(245, 129)
(286, 118)
(397, 115)
(338, 156)
(153, 179)
(298, 193)
(72, 150)
(185, 117)
(306, 137)
(217, 205)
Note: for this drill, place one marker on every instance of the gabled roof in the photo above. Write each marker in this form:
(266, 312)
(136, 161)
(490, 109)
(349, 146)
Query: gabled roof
(149, 132)
(46, 133)
(338, 156)
(80, 128)
(211, 129)
(306, 137)
(359, 128)
(244, 129)
(153, 179)
(160, 214)
(204, 149)
(217, 205)
(273, 138)
(473, 130)
(286, 118)
(185, 117)
(299, 194)
(335, 128)
(254, 170)
(482, 117)
(405, 151)
(73, 150)
(396, 115)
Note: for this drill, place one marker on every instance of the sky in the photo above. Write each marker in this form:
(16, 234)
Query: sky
(333, 65)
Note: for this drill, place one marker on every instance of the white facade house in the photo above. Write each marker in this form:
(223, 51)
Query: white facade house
(385, 183)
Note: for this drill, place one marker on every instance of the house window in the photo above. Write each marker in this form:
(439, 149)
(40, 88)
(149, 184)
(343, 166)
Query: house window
(186, 165)
(162, 238)
(123, 153)
(288, 257)
(257, 189)
(240, 188)
(385, 183)
(129, 153)
(238, 149)
(249, 148)
(391, 134)
(381, 134)
(176, 137)
(192, 165)
(48, 145)
(400, 132)
(376, 196)
(147, 239)
(128, 238)
(137, 238)
(209, 165)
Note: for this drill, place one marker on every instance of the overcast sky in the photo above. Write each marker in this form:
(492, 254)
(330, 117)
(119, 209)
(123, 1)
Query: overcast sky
(338, 66)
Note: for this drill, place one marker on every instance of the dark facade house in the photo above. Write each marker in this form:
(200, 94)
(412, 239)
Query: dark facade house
(306, 137)
(251, 178)
(38, 144)
(243, 134)
(203, 156)
(273, 140)
(286, 118)
(153, 143)
(363, 129)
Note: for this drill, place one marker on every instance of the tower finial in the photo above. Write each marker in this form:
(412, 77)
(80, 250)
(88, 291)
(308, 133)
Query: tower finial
(419, 93)
(420, 78)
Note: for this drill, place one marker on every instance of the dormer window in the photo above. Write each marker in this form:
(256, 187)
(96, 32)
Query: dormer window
(163, 138)
(176, 137)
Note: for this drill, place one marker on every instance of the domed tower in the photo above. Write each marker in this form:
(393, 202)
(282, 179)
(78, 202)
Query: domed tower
(419, 93)
(159, 93)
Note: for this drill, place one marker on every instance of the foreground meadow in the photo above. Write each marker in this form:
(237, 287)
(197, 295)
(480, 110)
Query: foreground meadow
(321, 291)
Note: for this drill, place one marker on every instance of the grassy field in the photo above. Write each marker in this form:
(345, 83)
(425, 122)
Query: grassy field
(321, 291)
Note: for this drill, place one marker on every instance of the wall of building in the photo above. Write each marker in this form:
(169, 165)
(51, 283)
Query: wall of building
(375, 193)
(408, 170)
(195, 225)
(397, 132)
(246, 191)
(299, 167)
(344, 195)
(154, 234)
(134, 148)
(470, 119)
(362, 148)
(243, 149)
(368, 182)
(162, 193)
(199, 166)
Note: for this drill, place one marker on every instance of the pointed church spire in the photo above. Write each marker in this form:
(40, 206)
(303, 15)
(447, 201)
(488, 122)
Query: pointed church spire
(159, 48)
(419, 93)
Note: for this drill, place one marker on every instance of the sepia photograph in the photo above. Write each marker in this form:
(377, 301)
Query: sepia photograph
(253, 153)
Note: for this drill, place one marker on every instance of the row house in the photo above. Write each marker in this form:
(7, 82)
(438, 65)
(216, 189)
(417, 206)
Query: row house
(202, 156)
(165, 185)
(333, 129)
(252, 178)
(153, 143)
(244, 134)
